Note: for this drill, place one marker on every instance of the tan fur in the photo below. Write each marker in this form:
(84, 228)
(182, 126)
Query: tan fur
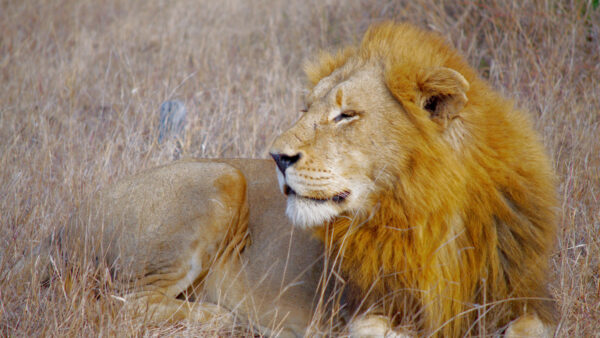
(449, 215)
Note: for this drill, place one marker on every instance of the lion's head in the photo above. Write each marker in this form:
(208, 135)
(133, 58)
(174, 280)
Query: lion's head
(367, 117)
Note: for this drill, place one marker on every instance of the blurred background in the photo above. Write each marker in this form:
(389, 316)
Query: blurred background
(82, 83)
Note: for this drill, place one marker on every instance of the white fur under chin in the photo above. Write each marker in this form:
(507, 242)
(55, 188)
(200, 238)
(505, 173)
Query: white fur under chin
(306, 213)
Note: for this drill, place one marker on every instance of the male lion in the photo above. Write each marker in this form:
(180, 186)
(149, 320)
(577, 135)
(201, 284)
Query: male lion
(431, 191)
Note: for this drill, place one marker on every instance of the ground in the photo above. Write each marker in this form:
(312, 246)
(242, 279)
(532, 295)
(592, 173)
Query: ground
(82, 83)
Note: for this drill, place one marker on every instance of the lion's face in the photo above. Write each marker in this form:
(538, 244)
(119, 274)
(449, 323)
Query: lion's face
(340, 152)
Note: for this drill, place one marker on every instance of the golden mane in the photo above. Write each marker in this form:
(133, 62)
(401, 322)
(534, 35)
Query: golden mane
(461, 233)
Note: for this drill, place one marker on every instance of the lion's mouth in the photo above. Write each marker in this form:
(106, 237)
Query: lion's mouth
(337, 198)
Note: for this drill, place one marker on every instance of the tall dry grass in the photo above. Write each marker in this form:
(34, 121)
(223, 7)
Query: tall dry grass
(82, 81)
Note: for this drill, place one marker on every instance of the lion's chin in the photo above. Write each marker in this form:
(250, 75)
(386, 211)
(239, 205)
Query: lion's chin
(306, 213)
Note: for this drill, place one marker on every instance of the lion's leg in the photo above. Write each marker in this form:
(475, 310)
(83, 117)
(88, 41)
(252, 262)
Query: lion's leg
(157, 307)
(529, 325)
(166, 228)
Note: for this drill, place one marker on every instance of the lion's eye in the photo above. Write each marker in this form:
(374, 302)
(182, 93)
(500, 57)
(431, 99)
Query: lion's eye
(346, 115)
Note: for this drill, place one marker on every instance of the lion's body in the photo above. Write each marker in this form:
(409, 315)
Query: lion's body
(431, 190)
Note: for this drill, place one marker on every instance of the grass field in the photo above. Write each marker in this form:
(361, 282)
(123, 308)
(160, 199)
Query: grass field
(81, 83)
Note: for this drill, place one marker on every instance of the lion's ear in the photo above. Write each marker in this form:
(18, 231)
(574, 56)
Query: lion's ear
(443, 93)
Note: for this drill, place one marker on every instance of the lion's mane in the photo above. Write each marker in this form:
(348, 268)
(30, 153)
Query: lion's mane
(461, 237)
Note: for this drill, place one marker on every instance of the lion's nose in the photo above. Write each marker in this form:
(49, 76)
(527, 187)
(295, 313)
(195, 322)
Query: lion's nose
(284, 161)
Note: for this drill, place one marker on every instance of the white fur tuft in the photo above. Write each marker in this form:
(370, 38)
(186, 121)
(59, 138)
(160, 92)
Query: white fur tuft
(305, 213)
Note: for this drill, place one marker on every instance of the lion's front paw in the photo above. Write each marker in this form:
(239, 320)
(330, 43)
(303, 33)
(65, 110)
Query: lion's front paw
(374, 326)
(528, 326)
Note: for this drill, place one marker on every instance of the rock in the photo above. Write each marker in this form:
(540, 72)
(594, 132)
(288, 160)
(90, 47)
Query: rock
(172, 120)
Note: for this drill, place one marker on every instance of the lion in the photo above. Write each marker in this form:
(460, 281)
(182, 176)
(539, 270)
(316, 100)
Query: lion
(429, 191)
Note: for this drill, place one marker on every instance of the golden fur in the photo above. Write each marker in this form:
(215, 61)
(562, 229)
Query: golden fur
(432, 189)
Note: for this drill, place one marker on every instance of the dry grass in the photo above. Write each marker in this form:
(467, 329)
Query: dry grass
(81, 83)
